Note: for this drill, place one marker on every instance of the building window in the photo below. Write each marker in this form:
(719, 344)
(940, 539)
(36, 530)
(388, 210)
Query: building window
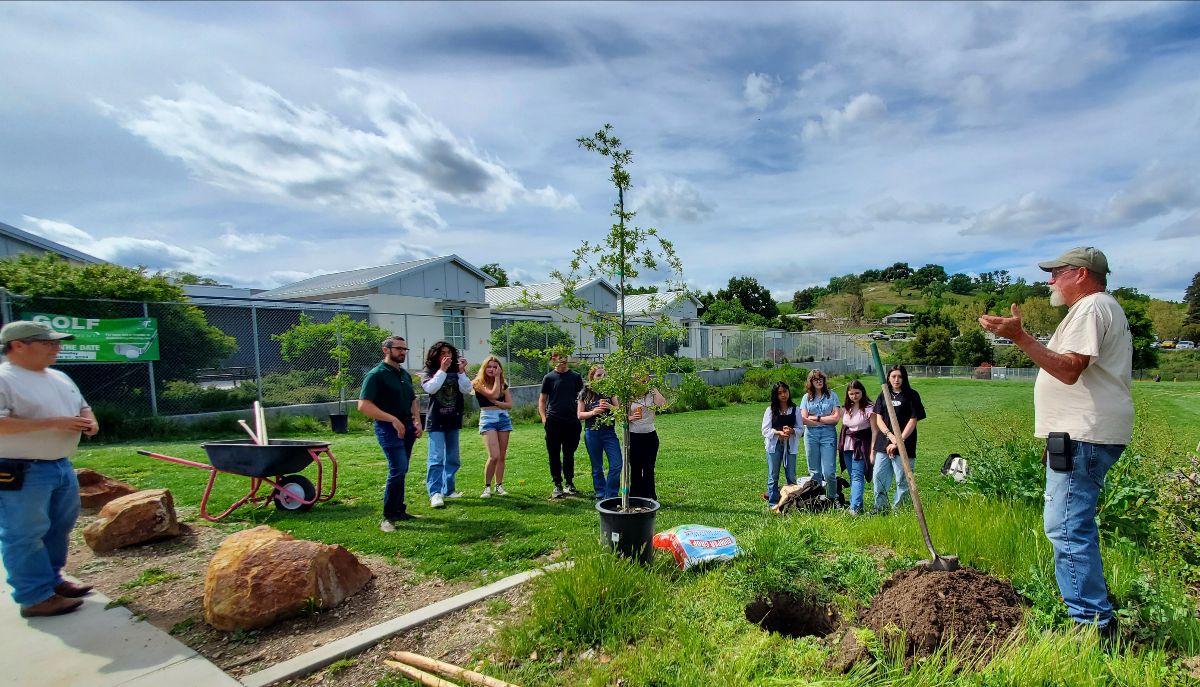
(454, 321)
(600, 340)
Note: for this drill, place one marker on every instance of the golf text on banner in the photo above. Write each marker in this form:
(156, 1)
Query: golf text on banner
(124, 340)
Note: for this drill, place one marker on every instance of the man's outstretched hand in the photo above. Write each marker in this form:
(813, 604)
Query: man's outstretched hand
(1008, 327)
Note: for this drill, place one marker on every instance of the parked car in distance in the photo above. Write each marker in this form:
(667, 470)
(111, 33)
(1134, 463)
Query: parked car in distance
(1004, 341)
(1168, 344)
(900, 335)
(1043, 339)
(1185, 344)
(877, 335)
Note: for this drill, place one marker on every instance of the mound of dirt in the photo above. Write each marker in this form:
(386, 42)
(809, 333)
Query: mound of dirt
(976, 610)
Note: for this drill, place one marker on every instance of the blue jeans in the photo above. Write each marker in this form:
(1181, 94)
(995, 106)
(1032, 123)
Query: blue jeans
(820, 449)
(1070, 522)
(858, 480)
(885, 470)
(443, 462)
(774, 460)
(397, 451)
(601, 442)
(35, 529)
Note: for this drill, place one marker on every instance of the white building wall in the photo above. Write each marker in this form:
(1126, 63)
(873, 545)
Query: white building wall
(420, 321)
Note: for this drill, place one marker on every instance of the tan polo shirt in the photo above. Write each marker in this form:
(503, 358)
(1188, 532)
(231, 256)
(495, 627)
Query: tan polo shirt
(1098, 407)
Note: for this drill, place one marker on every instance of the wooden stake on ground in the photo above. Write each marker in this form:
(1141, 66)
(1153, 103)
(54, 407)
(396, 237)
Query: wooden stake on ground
(449, 669)
(419, 675)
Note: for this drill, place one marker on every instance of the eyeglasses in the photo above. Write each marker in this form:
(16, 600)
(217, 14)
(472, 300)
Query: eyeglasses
(399, 348)
(48, 342)
(1058, 272)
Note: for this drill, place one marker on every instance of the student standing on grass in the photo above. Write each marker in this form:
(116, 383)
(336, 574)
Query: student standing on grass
(855, 442)
(42, 415)
(781, 430)
(820, 410)
(1082, 391)
(909, 410)
(445, 380)
(388, 398)
(643, 444)
(600, 439)
(557, 409)
(495, 424)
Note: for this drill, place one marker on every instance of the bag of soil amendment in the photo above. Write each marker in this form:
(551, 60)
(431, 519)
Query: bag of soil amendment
(806, 494)
(696, 544)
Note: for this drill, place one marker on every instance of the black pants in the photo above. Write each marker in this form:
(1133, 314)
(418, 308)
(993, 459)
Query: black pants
(643, 451)
(562, 436)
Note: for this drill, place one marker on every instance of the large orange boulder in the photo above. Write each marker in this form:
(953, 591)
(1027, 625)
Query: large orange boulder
(134, 519)
(95, 489)
(260, 576)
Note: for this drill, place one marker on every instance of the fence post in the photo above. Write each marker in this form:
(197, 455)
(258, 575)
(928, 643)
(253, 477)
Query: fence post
(5, 306)
(257, 358)
(150, 363)
(337, 334)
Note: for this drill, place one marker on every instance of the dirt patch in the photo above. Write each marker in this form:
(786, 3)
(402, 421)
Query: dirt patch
(163, 584)
(791, 616)
(931, 607)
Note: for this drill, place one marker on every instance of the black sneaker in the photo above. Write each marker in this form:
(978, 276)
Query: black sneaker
(571, 490)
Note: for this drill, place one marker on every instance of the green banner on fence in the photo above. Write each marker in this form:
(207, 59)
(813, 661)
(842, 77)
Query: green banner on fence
(124, 340)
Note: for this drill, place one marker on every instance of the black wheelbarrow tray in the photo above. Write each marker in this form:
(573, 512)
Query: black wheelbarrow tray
(275, 464)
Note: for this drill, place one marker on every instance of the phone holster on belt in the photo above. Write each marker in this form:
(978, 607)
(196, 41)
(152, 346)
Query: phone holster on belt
(12, 475)
(1059, 451)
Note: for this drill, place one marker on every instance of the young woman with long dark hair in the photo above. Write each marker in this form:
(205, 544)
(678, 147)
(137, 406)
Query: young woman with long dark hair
(909, 410)
(444, 378)
(781, 430)
(856, 441)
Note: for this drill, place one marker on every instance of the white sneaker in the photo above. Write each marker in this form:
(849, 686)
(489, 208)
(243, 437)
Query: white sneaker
(455, 495)
(487, 492)
(386, 525)
(436, 501)
(499, 490)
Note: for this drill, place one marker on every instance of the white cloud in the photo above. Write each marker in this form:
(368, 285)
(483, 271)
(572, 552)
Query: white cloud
(250, 242)
(760, 90)
(861, 108)
(404, 165)
(891, 210)
(61, 232)
(675, 199)
(1154, 193)
(1188, 226)
(1031, 215)
(400, 250)
(818, 69)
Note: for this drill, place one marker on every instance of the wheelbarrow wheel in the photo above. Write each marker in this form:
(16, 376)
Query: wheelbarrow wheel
(292, 492)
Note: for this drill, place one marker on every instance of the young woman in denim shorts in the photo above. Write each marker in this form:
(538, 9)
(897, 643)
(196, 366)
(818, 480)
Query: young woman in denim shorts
(495, 400)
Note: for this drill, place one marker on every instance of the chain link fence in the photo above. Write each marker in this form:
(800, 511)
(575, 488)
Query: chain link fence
(216, 356)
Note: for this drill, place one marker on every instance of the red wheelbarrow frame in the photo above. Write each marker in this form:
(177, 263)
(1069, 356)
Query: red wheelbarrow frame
(257, 482)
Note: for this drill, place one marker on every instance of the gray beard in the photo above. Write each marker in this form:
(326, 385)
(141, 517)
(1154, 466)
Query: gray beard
(1056, 298)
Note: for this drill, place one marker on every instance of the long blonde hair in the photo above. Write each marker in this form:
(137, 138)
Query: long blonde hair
(480, 381)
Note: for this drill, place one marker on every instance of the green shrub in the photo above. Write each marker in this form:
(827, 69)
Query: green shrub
(683, 365)
(693, 393)
(1005, 459)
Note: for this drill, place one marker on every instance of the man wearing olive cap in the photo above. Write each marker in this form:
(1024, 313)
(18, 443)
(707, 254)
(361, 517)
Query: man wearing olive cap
(1082, 389)
(42, 415)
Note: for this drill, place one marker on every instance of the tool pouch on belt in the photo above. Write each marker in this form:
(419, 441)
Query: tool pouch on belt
(12, 475)
(1059, 451)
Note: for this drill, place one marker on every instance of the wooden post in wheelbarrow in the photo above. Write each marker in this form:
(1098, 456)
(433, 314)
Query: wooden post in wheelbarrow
(946, 563)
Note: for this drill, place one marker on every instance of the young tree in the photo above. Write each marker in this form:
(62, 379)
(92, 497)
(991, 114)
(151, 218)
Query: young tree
(517, 339)
(311, 345)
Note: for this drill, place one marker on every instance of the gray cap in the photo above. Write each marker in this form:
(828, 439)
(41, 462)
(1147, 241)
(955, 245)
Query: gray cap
(1083, 256)
(30, 331)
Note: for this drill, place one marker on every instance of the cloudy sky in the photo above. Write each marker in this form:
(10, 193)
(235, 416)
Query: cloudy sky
(264, 143)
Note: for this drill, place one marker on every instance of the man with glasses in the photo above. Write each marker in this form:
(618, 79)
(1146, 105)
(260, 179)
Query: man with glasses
(1083, 406)
(388, 397)
(42, 415)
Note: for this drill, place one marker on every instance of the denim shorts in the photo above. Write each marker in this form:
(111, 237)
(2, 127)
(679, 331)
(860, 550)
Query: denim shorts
(494, 420)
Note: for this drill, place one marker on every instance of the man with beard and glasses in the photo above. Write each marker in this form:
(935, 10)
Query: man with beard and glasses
(388, 397)
(1083, 406)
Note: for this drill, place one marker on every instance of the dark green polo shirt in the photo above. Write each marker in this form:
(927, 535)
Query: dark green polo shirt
(390, 389)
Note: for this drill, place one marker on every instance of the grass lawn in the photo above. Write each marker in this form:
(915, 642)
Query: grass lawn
(660, 626)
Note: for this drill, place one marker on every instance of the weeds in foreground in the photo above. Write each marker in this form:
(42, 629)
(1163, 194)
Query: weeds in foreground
(148, 577)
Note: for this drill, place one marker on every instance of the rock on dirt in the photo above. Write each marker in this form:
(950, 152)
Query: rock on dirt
(133, 519)
(96, 489)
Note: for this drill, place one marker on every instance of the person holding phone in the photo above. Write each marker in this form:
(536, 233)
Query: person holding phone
(445, 380)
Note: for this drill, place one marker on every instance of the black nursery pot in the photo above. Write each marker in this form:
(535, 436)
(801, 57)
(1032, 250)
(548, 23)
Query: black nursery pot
(339, 422)
(629, 534)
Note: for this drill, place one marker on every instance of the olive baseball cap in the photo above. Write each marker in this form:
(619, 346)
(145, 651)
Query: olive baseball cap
(1083, 256)
(30, 331)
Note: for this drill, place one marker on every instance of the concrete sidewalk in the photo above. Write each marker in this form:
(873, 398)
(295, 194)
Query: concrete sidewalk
(93, 647)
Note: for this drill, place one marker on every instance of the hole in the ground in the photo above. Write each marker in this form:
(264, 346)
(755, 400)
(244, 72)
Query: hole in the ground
(792, 616)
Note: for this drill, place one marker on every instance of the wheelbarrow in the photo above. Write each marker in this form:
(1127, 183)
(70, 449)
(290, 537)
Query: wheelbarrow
(275, 464)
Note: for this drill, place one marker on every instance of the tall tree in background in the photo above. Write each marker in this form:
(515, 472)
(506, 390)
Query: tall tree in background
(1167, 318)
(932, 347)
(754, 297)
(1191, 297)
(495, 271)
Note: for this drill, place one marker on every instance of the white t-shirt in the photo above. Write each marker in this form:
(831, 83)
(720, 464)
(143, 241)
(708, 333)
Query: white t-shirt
(1098, 407)
(645, 424)
(33, 395)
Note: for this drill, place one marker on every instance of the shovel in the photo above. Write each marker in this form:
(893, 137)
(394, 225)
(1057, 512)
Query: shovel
(945, 563)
